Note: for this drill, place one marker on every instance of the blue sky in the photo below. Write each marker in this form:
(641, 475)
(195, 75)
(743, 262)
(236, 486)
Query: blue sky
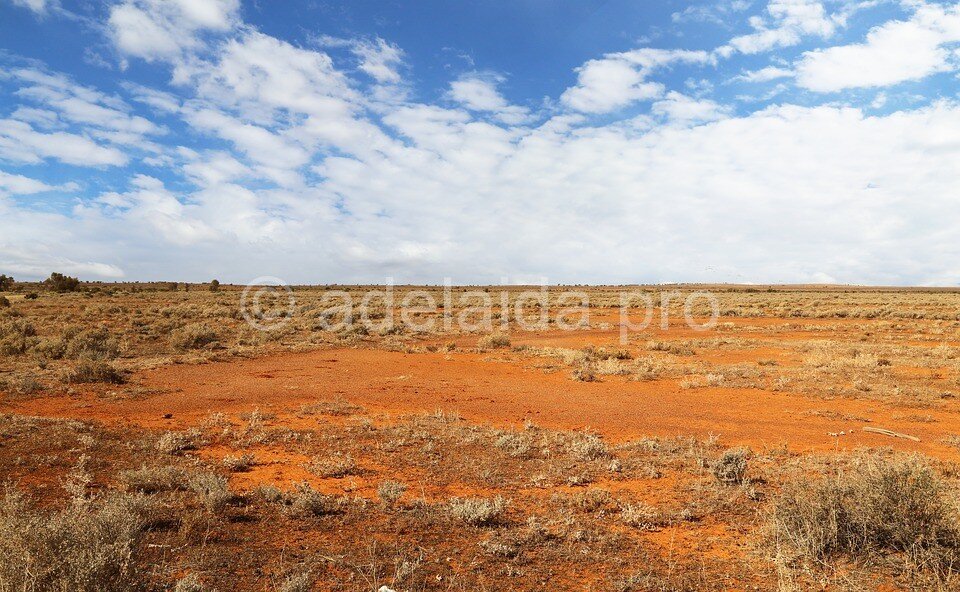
(581, 142)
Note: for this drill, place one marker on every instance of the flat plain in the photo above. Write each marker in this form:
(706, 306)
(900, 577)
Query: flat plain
(150, 438)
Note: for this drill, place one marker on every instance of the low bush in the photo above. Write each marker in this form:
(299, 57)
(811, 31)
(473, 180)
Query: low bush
(212, 489)
(92, 371)
(306, 501)
(177, 442)
(494, 341)
(192, 337)
(731, 468)
(881, 506)
(90, 546)
(153, 479)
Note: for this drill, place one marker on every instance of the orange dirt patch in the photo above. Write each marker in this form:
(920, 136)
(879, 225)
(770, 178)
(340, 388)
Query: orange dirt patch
(485, 387)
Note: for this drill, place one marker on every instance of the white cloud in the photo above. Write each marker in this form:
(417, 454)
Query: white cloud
(38, 6)
(257, 143)
(35, 265)
(80, 104)
(162, 29)
(765, 74)
(619, 79)
(307, 174)
(787, 22)
(19, 142)
(151, 205)
(11, 184)
(478, 91)
(894, 52)
(681, 109)
(380, 60)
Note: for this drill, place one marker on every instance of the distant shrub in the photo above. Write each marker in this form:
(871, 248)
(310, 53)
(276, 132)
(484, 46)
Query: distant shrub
(587, 447)
(16, 337)
(493, 341)
(212, 489)
(306, 501)
(189, 583)
(641, 516)
(61, 283)
(4, 302)
(192, 337)
(302, 582)
(31, 296)
(214, 285)
(336, 466)
(239, 464)
(153, 479)
(6, 282)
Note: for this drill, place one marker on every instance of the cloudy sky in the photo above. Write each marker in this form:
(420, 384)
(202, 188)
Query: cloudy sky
(584, 141)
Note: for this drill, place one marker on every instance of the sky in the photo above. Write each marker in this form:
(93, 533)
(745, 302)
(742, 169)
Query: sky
(518, 141)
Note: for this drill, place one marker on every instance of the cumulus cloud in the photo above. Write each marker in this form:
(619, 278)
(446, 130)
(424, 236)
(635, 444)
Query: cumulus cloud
(478, 91)
(893, 52)
(619, 79)
(163, 29)
(19, 142)
(79, 104)
(11, 184)
(786, 23)
(681, 109)
(305, 172)
(764, 74)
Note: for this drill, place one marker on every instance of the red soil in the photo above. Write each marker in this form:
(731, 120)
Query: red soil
(485, 388)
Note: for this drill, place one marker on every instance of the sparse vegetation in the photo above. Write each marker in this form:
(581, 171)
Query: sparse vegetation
(399, 500)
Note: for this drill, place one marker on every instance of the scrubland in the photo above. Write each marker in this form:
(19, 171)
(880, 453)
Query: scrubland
(151, 439)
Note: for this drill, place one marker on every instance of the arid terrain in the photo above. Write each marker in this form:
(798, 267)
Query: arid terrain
(151, 439)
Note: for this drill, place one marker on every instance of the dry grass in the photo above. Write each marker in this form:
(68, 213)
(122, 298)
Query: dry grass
(879, 506)
(477, 511)
(90, 546)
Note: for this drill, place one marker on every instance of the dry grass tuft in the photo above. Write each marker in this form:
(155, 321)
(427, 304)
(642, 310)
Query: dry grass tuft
(494, 341)
(193, 336)
(336, 466)
(153, 479)
(477, 511)
(177, 442)
(731, 468)
(306, 502)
